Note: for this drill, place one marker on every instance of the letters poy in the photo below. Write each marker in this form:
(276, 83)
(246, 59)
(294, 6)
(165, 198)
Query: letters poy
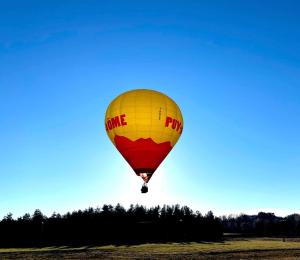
(174, 123)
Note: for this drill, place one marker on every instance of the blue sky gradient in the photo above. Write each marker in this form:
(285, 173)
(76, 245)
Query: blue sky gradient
(232, 66)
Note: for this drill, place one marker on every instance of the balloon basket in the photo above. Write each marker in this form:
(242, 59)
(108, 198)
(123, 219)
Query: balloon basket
(144, 188)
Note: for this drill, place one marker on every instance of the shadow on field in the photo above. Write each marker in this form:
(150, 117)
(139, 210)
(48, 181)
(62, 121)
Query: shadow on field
(262, 248)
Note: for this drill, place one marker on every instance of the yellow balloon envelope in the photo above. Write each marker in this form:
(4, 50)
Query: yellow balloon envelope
(144, 125)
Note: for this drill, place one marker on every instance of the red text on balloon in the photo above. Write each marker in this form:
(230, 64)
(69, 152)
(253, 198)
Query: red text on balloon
(114, 122)
(174, 123)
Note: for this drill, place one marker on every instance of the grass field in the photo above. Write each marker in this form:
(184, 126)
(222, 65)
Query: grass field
(231, 249)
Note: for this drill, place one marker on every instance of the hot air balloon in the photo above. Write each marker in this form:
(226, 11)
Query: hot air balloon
(144, 125)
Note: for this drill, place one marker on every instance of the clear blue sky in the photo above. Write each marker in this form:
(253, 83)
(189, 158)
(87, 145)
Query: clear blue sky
(232, 66)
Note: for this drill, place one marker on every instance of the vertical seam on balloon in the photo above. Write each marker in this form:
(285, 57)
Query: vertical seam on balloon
(172, 132)
(114, 129)
(151, 107)
(120, 104)
(175, 132)
(135, 123)
(177, 117)
(110, 116)
(166, 106)
(110, 131)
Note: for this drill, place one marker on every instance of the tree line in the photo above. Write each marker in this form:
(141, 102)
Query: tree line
(262, 224)
(110, 225)
(137, 224)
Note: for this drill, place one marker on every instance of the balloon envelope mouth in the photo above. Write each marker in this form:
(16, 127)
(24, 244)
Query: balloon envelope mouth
(146, 176)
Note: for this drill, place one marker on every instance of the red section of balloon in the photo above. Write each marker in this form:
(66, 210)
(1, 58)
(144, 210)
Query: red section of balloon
(143, 155)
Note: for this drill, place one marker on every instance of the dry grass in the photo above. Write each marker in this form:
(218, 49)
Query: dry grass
(230, 249)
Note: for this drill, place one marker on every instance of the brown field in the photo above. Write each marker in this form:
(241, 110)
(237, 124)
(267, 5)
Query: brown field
(263, 248)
